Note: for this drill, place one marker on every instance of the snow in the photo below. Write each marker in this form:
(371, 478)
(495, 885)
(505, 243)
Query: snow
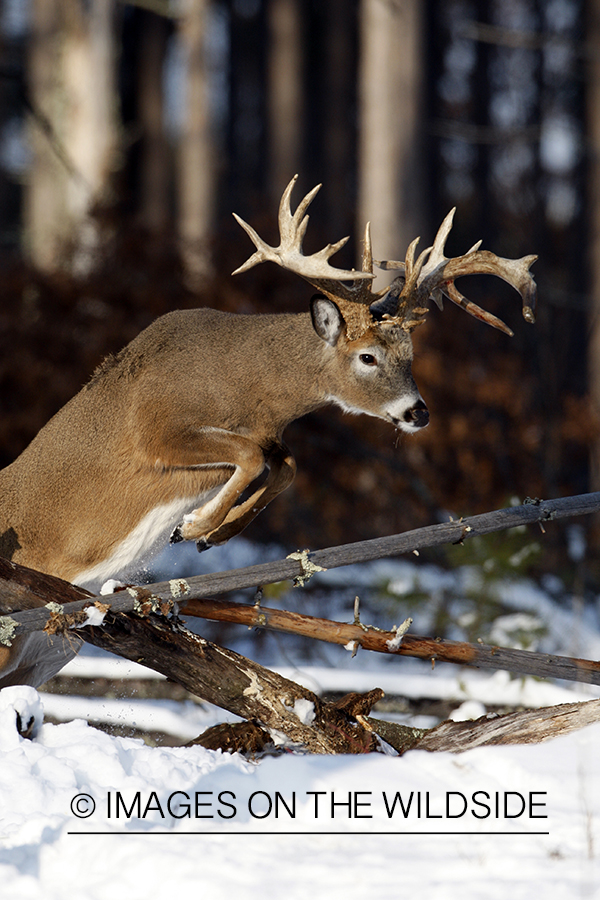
(88, 815)
(110, 586)
(92, 816)
(305, 710)
(93, 616)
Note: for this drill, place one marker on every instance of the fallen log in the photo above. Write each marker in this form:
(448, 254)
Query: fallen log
(530, 726)
(288, 712)
(278, 710)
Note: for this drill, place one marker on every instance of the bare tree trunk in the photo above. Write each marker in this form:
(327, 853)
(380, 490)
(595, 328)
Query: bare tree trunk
(593, 193)
(390, 193)
(73, 99)
(285, 95)
(196, 158)
(338, 119)
(156, 164)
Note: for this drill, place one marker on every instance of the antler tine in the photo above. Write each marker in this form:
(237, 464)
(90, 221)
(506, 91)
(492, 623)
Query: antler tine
(413, 270)
(436, 251)
(292, 228)
(353, 299)
(452, 292)
(409, 315)
(439, 244)
(260, 255)
(367, 257)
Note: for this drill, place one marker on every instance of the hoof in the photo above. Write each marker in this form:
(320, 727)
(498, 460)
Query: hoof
(177, 536)
(203, 545)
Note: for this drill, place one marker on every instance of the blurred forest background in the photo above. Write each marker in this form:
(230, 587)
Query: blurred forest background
(130, 131)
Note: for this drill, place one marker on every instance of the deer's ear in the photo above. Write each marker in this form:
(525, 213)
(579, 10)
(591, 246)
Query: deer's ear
(327, 320)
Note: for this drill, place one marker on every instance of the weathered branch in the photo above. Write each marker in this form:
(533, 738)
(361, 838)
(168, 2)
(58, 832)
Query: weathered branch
(482, 656)
(541, 511)
(301, 566)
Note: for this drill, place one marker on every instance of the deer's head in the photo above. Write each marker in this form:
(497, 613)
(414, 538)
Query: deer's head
(369, 332)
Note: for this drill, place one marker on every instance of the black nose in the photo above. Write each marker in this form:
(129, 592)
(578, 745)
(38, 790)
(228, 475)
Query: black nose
(417, 415)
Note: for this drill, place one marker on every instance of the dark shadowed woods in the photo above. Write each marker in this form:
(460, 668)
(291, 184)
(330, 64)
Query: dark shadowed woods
(402, 110)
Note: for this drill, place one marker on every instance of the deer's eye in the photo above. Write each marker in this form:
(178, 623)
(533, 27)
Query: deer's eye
(368, 359)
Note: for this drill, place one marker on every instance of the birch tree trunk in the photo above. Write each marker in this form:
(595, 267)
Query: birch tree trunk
(390, 193)
(75, 133)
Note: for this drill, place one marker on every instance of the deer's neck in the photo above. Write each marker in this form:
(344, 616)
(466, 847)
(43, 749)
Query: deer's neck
(293, 368)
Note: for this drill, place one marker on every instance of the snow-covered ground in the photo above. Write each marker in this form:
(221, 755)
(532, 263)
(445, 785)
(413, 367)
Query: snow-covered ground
(84, 814)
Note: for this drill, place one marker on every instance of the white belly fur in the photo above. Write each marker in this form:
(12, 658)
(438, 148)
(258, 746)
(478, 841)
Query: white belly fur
(149, 536)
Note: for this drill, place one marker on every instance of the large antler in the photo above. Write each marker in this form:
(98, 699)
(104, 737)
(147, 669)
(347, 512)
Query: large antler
(433, 274)
(353, 299)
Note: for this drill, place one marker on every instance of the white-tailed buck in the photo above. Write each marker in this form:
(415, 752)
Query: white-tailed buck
(169, 434)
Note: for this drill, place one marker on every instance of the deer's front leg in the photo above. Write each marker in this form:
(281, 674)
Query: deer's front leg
(216, 448)
(282, 469)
